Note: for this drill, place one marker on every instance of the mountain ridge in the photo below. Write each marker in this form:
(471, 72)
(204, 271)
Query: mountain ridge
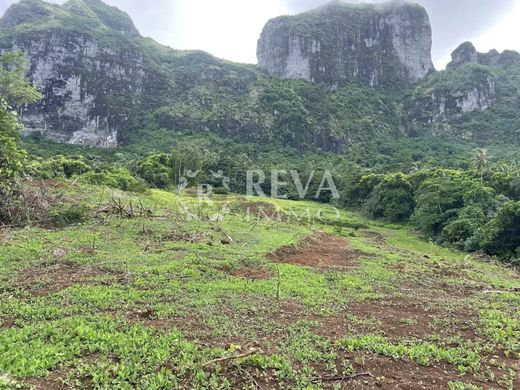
(106, 85)
(96, 12)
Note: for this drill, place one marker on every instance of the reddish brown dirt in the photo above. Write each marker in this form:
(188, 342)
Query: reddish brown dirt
(51, 183)
(54, 381)
(48, 280)
(373, 372)
(6, 323)
(395, 319)
(249, 273)
(388, 373)
(320, 251)
(194, 327)
(402, 374)
(398, 318)
(261, 210)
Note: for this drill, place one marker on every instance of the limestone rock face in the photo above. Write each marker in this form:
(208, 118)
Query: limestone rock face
(467, 54)
(449, 104)
(468, 85)
(88, 86)
(79, 81)
(378, 44)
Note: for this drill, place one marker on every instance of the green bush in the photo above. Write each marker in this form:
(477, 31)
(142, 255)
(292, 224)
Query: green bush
(14, 90)
(460, 231)
(502, 234)
(392, 199)
(155, 170)
(65, 217)
(120, 178)
(438, 201)
(60, 167)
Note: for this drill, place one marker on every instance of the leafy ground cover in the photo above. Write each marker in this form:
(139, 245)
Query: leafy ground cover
(159, 291)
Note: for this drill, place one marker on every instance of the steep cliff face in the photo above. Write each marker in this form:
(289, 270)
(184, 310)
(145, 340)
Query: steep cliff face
(466, 53)
(105, 85)
(446, 97)
(377, 45)
(474, 85)
(81, 83)
(89, 85)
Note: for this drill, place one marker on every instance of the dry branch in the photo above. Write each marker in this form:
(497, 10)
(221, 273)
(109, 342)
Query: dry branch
(224, 359)
(345, 378)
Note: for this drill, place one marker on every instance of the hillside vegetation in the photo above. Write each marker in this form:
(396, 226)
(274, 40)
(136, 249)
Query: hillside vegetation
(118, 272)
(159, 291)
(156, 89)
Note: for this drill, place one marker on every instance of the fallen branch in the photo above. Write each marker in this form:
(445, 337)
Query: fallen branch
(252, 379)
(345, 378)
(224, 359)
(511, 290)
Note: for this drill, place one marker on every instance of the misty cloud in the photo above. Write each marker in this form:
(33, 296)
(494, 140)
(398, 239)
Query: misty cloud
(453, 21)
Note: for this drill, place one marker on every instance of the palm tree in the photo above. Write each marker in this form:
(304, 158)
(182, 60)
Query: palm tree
(481, 161)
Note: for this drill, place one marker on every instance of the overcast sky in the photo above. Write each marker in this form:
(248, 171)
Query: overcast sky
(230, 28)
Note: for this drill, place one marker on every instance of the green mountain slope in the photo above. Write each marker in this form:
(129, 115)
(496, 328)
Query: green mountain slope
(125, 83)
(105, 85)
(476, 98)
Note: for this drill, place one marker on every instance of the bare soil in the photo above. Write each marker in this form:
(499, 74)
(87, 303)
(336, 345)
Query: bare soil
(47, 183)
(261, 210)
(388, 373)
(42, 281)
(251, 273)
(320, 251)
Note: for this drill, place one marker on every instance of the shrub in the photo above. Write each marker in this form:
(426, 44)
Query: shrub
(14, 90)
(60, 167)
(438, 201)
(155, 170)
(69, 216)
(28, 204)
(502, 234)
(392, 199)
(120, 178)
(462, 229)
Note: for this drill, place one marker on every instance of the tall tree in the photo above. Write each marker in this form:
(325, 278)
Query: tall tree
(481, 162)
(15, 91)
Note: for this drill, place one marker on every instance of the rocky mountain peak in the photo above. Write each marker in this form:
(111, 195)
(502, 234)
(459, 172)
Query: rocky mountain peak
(375, 44)
(111, 17)
(466, 53)
(83, 15)
(26, 11)
(84, 59)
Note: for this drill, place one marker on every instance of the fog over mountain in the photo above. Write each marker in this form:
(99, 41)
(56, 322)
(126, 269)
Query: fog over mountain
(230, 28)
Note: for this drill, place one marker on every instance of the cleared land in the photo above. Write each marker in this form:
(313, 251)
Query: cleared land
(146, 295)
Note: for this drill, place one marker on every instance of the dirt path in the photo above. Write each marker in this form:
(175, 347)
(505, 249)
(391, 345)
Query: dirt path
(321, 251)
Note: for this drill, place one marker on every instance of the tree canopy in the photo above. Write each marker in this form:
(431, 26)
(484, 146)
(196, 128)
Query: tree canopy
(14, 92)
